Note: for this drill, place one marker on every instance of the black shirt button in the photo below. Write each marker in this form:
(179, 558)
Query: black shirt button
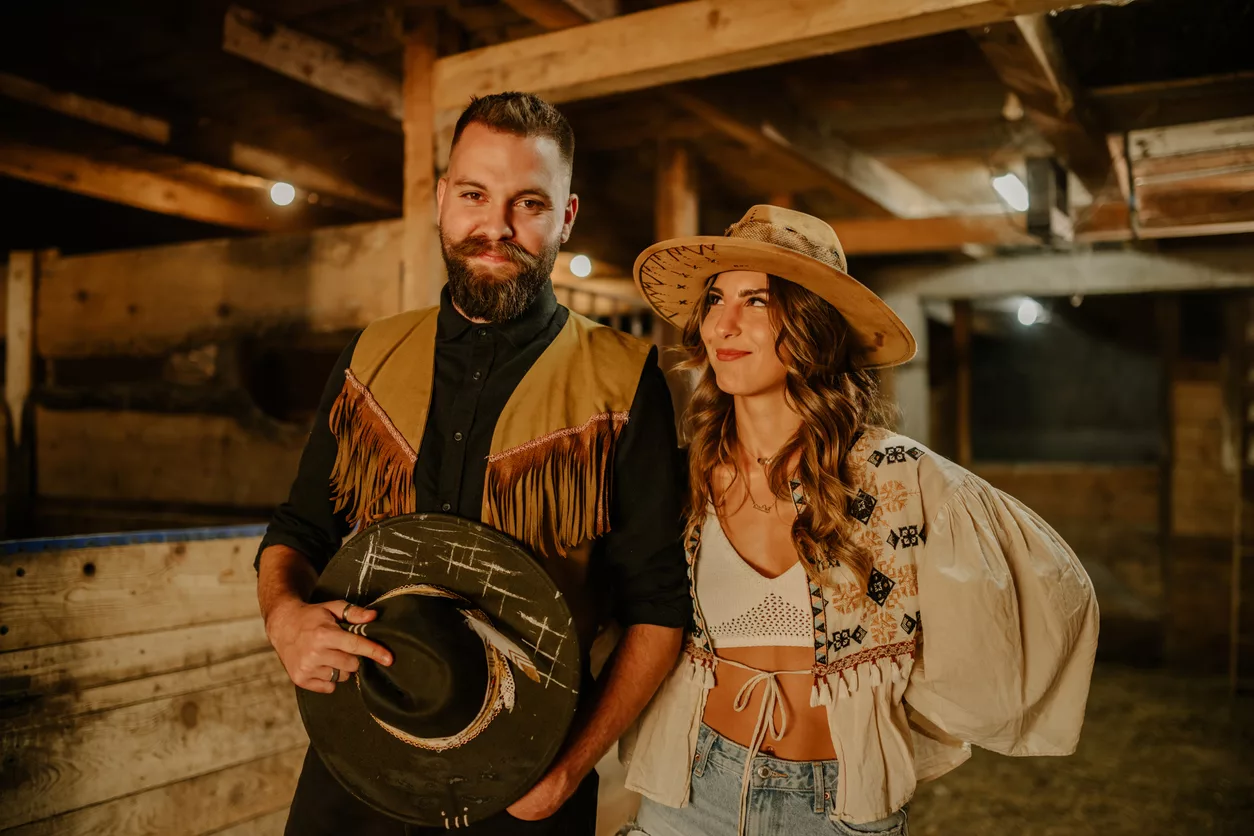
(446, 507)
(457, 436)
(483, 332)
(476, 375)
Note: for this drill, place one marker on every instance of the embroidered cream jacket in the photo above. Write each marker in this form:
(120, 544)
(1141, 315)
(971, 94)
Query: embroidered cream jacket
(978, 626)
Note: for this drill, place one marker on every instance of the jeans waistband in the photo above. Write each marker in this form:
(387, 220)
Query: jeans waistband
(718, 752)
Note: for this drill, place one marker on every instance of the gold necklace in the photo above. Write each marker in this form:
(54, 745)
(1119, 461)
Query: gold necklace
(765, 509)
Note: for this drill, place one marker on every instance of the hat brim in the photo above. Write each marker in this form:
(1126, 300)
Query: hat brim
(672, 275)
(457, 787)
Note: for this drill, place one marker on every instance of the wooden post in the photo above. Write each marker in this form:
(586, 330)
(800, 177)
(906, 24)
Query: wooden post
(675, 213)
(907, 385)
(1239, 324)
(422, 267)
(1167, 314)
(962, 381)
(19, 365)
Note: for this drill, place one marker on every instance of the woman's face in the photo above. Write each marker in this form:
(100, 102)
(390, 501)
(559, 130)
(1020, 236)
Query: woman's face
(739, 337)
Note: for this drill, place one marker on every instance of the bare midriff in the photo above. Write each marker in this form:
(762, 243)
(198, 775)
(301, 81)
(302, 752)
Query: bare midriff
(806, 736)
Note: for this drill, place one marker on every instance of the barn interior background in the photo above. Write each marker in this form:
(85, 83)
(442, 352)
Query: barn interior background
(203, 201)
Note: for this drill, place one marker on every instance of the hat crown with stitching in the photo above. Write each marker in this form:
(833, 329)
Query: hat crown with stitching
(792, 230)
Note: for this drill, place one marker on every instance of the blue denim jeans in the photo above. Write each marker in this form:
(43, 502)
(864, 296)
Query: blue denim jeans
(785, 797)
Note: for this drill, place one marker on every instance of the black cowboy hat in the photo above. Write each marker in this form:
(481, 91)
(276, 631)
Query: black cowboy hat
(484, 679)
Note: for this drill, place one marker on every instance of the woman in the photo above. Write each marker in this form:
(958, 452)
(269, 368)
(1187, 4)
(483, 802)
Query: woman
(808, 700)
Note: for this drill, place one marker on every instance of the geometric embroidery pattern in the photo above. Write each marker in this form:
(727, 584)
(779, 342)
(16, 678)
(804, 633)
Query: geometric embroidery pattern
(879, 586)
(875, 616)
(818, 609)
(909, 535)
(862, 506)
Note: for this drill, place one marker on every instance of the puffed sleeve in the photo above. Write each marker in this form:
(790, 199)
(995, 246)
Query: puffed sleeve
(1009, 622)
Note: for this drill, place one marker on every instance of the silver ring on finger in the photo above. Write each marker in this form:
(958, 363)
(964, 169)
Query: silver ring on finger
(335, 675)
(344, 615)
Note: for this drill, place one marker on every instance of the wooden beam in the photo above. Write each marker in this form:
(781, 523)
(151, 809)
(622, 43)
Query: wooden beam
(1168, 213)
(563, 14)
(422, 266)
(698, 39)
(311, 61)
(311, 178)
(1029, 61)
(156, 130)
(1064, 274)
(1195, 138)
(941, 234)
(1130, 107)
(143, 189)
(855, 178)
(858, 179)
(114, 117)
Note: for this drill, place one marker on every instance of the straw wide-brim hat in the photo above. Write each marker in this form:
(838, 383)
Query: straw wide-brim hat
(672, 275)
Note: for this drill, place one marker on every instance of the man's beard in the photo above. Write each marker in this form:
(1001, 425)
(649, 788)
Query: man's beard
(481, 294)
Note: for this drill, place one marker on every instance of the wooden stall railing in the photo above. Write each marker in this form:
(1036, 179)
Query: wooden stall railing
(138, 692)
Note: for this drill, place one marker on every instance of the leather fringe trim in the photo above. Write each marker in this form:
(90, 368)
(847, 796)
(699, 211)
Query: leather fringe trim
(553, 492)
(373, 475)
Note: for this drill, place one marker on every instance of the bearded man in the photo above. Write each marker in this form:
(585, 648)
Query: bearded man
(503, 407)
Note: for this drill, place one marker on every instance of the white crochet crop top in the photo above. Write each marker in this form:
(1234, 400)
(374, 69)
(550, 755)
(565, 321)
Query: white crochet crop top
(742, 608)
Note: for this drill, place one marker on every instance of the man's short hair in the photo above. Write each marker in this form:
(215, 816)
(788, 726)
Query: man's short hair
(521, 114)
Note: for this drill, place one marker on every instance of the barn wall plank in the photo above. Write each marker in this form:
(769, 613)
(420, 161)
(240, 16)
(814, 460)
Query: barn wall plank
(55, 709)
(107, 755)
(94, 663)
(145, 456)
(200, 805)
(147, 301)
(84, 594)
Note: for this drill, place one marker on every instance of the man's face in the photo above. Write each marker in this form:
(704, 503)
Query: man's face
(505, 210)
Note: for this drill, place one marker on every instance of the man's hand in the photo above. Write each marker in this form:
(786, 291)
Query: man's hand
(311, 644)
(545, 798)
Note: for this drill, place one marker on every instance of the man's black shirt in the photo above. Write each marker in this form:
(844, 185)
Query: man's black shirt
(640, 563)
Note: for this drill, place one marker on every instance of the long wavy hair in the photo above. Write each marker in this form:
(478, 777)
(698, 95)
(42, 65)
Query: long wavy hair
(835, 400)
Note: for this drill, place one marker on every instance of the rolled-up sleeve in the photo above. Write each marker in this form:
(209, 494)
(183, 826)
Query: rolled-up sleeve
(643, 555)
(1009, 626)
(307, 521)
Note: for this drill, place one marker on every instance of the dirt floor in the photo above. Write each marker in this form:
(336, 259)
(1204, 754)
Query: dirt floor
(1159, 754)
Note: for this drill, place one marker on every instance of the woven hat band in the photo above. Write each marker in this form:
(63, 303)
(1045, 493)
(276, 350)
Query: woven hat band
(781, 236)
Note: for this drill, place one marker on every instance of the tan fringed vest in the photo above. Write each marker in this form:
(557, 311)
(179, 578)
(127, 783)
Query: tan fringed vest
(550, 468)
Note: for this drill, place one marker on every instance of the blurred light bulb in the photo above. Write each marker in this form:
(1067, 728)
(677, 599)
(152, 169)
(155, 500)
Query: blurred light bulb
(282, 193)
(1012, 190)
(1029, 312)
(581, 266)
